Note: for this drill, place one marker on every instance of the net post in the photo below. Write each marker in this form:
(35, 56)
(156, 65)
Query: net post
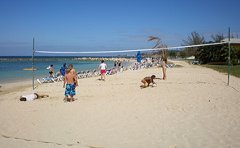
(33, 51)
(229, 52)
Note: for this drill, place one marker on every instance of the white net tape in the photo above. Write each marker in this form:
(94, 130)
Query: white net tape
(125, 51)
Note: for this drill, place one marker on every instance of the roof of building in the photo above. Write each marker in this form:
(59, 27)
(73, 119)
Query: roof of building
(232, 40)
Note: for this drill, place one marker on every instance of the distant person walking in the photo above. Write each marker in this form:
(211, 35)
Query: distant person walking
(115, 64)
(63, 69)
(51, 70)
(119, 65)
(103, 70)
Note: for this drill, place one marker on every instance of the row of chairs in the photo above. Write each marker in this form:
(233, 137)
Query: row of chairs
(94, 73)
(82, 74)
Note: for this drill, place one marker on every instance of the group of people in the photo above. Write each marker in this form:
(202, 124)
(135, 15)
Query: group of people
(71, 80)
(62, 70)
(70, 83)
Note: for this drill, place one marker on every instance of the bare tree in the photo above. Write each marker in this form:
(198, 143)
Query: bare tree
(217, 37)
(194, 39)
(158, 44)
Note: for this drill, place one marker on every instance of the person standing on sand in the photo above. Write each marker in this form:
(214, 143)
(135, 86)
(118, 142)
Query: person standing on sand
(115, 64)
(69, 81)
(103, 70)
(119, 65)
(63, 68)
(51, 70)
(164, 62)
(73, 72)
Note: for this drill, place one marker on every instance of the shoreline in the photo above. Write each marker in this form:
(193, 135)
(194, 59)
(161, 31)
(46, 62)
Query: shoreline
(6, 87)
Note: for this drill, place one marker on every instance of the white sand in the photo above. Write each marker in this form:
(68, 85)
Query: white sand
(194, 107)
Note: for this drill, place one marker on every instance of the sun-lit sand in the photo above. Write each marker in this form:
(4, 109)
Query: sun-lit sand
(194, 107)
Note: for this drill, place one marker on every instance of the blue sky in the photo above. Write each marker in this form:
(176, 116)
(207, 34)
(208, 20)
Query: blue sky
(93, 25)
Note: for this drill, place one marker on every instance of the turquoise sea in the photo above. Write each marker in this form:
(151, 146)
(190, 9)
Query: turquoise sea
(11, 68)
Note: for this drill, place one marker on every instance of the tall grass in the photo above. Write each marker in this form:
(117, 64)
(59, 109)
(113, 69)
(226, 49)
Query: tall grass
(234, 69)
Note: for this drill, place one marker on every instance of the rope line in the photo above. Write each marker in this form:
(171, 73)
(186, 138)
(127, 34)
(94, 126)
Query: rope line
(122, 51)
(49, 142)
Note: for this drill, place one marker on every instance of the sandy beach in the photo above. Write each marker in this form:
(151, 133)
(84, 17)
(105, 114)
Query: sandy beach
(194, 107)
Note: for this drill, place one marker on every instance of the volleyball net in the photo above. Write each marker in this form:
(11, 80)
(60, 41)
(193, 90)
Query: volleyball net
(201, 53)
(126, 51)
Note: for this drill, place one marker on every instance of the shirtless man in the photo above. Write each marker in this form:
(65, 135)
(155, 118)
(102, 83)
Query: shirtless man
(69, 81)
(73, 71)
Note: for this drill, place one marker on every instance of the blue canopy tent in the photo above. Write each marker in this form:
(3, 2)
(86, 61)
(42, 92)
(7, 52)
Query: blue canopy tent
(139, 58)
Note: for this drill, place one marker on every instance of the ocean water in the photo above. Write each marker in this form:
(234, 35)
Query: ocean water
(11, 68)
